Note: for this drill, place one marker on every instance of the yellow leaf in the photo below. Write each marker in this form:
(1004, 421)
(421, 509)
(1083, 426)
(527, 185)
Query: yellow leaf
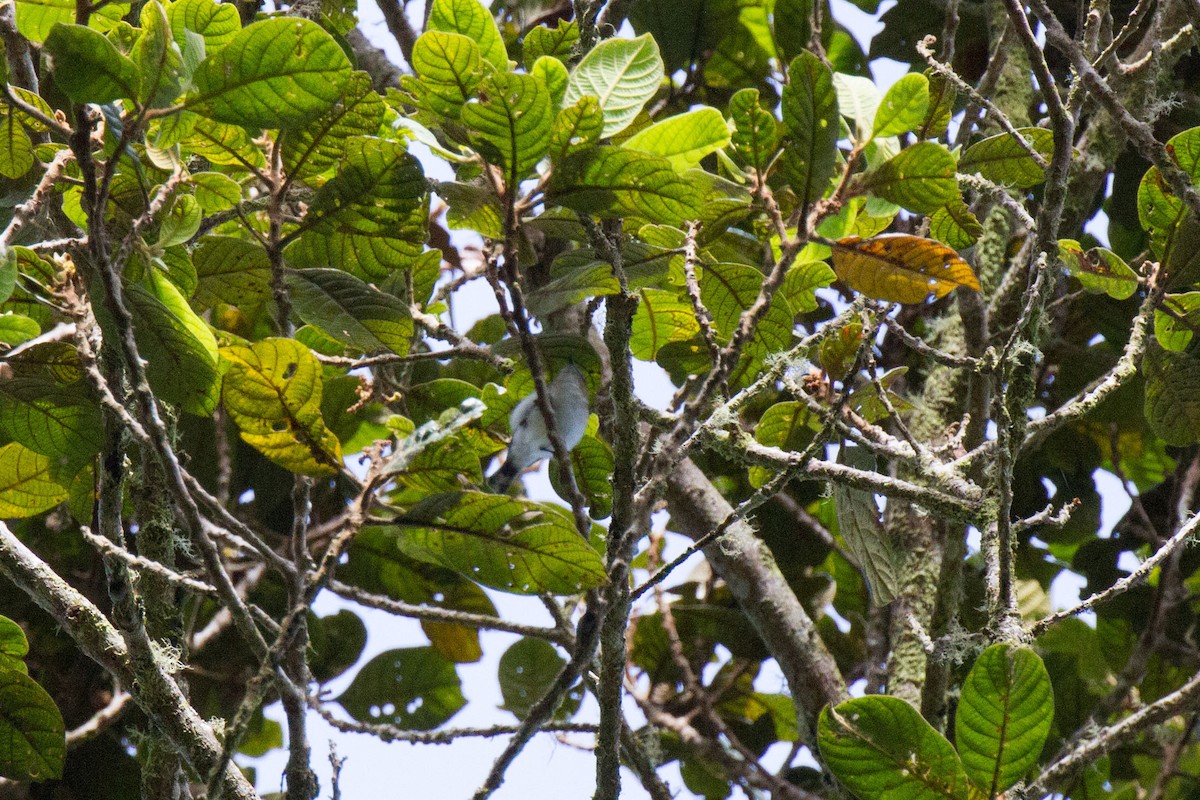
(26, 487)
(900, 268)
(272, 391)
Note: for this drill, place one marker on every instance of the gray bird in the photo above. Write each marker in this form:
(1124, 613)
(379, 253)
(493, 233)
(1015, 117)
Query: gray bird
(530, 440)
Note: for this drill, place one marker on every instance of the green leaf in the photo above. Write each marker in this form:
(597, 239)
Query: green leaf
(233, 271)
(272, 390)
(737, 60)
(552, 74)
(728, 289)
(33, 742)
(785, 425)
(596, 279)
(526, 671)
(320, 146)
(1174, 234)
(351, 310)
(51, 419)
(903, 107)
(558, 42)
(858, 98)
(414, 688)
(679, 26)
(37, 18)
(339, 16)
(623, 74)
(502, 542)
(88, 68)
(941, 106)
(755, 136)
(901, 268)
(262, 736)
(215, 191)
(868, 403)
(754, 18)
(471, 19)
(180, 223)
(1184, 148)
(1174, 327)
(409, 130)
(615, 182)
(793, 26)
(8, 273)
(955, 225)
(661, 317)
(920, 178)
(216, 23)
(439, 466)
(158, 58)
(576, 128)
(341, 639)
(376, 564)
(592, 460)
(35, 100)
(179, 348)
(16, 149)
(20, 297)
(370, 219)
(810, 117)
(1173, 395)
(513, 119)
(450, 67)
(1003, 717)
(1100, 271)
(13, 646)
(17, 329)
(801, 283)
(1002, 159)
(880, 747)
(175, 264)
(871, 546)
(473, 207)
(277, 73)
(874, 217)
(221, 144)
(683, 139)
(26, 487)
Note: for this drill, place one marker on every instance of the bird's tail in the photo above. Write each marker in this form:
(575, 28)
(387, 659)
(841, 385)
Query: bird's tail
(502, 478)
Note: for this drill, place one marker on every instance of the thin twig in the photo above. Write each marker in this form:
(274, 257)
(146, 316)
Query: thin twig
(101, 720)
(445, 615)
(1134, 578)
(141, 563)
(393, 733)
(704, 317)
(925, 48)
(24, 213)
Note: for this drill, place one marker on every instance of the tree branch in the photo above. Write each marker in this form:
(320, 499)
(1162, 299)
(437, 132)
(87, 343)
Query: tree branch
(153, 690)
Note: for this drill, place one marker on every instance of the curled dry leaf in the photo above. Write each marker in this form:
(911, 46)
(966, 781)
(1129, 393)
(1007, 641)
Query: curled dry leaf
(900, 268)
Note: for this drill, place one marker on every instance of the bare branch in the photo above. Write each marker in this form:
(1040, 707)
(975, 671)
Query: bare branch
(1139, 575)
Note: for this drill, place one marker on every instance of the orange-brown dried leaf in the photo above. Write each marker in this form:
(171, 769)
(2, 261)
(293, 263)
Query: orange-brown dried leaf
(900, 268)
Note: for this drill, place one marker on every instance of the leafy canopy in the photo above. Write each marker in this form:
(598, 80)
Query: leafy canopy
(234, 374)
